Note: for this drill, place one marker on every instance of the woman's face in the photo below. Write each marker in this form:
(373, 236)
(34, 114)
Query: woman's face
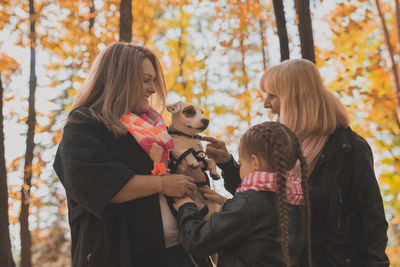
(272, 102)
(149, 75)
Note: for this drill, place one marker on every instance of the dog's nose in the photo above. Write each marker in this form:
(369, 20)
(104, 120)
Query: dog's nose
(205, 121)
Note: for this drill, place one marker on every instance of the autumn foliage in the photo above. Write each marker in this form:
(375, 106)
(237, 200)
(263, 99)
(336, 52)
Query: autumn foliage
(213, 53)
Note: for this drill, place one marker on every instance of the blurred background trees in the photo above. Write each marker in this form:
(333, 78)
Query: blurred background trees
(213, 53)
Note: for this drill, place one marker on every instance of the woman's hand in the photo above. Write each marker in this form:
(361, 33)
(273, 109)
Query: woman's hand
(212, 195)
(177, 185)
(216, 150)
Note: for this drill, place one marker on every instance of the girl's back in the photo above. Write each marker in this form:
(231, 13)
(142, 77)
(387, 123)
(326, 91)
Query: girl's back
(246, 232)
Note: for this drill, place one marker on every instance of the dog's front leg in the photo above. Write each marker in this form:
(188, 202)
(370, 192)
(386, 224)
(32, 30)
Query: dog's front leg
(212, 167)
(197, 173)
(189, 159)
(192, 161)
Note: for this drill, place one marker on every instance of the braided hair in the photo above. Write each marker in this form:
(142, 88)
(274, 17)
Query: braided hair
(279, 154)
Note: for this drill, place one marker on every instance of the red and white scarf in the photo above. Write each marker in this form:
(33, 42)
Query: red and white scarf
(266, 181)
(150, 131)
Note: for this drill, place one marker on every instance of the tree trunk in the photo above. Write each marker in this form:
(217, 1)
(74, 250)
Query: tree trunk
(181, 52)
(397, 6)
(125, 21)
(263, 44)
(245, 81)
(394, 67)
(305, 29)
(26, 240)
(92, 15)
(282, 32)
(6, 259)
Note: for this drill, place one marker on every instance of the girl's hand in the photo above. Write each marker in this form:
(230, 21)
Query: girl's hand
(180, 201)
(212, 195)
(216, 150)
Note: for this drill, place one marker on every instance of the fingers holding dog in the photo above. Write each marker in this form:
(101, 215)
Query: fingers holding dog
(191, 187)
(177, 185)
(196, 173)
(212, 195)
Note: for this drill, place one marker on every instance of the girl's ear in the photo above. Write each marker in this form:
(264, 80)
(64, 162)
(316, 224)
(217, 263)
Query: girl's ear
(255, 162)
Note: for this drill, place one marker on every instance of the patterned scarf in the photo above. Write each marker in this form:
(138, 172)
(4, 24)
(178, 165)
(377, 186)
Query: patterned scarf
(266, 181)
(150, 131)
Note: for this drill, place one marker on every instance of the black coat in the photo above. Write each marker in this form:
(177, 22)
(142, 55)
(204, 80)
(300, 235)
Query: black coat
(348, 225)
(93, 166)
(246, 233)
(348, 221)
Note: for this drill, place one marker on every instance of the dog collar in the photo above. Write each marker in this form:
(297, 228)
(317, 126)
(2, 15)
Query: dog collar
(195, 136)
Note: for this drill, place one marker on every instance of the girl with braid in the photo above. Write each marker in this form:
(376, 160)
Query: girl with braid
(266, 223)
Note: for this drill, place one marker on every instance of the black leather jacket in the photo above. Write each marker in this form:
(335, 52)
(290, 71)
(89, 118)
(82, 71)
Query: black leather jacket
(348, 225)
(245, 233)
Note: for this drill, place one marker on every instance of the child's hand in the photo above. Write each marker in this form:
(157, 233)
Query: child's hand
(180, 201)
(212, 195)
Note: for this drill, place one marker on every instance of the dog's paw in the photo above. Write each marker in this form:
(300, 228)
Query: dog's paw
(194, 164)
(215, 175)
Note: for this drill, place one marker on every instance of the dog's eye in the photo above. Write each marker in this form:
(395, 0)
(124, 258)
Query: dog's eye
(189, 112)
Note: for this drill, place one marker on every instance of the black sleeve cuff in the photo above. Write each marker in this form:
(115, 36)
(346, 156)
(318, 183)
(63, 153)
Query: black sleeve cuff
(231, 175)
(226, 165)
(188, 204)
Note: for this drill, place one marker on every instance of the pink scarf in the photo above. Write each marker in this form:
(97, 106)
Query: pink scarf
(150, 131)
(266, 181)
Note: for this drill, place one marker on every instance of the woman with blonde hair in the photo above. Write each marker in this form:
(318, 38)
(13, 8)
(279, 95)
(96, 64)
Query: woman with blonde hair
(111, 161)
(348, 225)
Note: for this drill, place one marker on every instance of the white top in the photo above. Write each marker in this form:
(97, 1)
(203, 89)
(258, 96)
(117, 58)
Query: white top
(169, 224)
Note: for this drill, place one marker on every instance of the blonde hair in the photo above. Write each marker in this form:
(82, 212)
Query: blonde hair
(307, 107)
(114, 85)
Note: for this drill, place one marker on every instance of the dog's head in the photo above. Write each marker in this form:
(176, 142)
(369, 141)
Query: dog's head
(187, 118)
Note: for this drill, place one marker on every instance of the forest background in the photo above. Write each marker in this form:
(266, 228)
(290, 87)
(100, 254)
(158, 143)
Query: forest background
(213, 54)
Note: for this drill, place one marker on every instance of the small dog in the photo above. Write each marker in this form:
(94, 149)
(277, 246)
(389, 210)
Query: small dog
(187, 122)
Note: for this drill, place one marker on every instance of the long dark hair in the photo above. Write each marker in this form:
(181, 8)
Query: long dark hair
(280, 153)
(114, 84)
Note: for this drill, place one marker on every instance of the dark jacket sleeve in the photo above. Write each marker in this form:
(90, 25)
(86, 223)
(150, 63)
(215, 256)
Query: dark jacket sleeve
(369, 210)
(87, 169)
(231, 175)
(202, 238)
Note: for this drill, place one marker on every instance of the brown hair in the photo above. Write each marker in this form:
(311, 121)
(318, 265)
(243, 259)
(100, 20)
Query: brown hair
(114, 85)
(280, 154)
(307, 107)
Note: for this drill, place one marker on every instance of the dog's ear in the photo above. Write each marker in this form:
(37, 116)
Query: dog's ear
(173, 108)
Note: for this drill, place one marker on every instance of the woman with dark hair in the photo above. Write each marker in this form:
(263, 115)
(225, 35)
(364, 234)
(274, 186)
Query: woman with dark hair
(111, 161)
(348, 225)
